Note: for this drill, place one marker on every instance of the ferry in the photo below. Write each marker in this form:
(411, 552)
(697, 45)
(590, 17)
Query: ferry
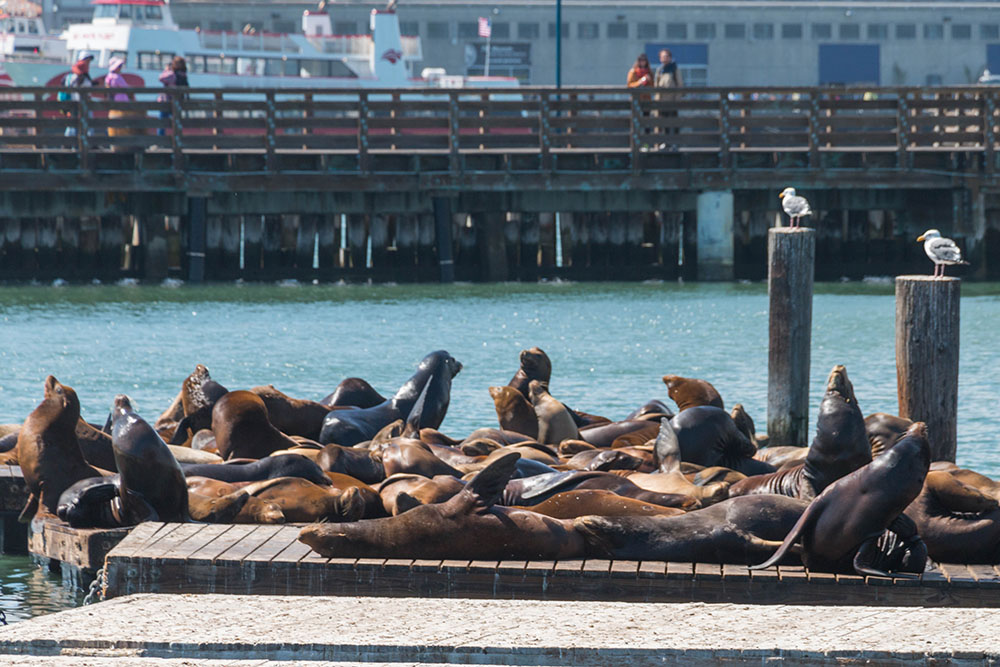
(23, 37)
(145, 34)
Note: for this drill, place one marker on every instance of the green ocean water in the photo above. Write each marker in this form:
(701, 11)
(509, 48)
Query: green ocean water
(609, 343)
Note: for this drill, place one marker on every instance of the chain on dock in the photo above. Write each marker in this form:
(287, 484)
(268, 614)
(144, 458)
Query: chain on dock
(96, 592)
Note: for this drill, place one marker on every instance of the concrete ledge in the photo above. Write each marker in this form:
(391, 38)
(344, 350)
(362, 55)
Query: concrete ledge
(462, 631)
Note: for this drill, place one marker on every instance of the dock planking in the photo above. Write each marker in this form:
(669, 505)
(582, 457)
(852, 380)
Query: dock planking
(269, 560)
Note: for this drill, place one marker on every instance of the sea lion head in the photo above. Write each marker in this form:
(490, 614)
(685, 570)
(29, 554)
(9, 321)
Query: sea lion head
(839, 383)
(744, 422)
(64, 399)
(536, 364)
(537, 390)
(441, 359)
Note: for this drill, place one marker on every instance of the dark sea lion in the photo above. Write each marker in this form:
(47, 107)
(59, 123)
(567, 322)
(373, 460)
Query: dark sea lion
(536, 489)
(535, 365)
(362, 464)
(691, 392)
(738, 531)
(884, 430)
(468, 526)
(302, 501)
(514, 411)
(254, 510)
(555, 423)
(286, 465)
(668, 477)
(653, 409)
(96, 446)
(149, 475)
(48, 450)
(841, 529)
(351, 426)
(88, 503)
(957, 522)
(573, 447)
(744, 422)
(8, 442)
(624, 433)
(199, 394)
(584, 502)
(839, 447)
(708, 436)
(292, 416)
(403, 492)
(242, 428)
(353, 392)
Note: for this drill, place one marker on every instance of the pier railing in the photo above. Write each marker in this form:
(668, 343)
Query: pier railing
(543, 121)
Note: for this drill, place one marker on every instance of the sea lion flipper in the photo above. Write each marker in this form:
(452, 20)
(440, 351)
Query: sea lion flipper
(486, 487)
(412, 427)
(667, 451)
(793, 534)
(181, 432)
(30, 508)
(867, 553)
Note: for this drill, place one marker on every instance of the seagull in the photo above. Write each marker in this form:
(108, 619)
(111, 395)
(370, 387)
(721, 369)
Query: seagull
(943, 252)
(794, 206)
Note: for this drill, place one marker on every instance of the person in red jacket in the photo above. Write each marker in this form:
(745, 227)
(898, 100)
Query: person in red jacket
(640, 75)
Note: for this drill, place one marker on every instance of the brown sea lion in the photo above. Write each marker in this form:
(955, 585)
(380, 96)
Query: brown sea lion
(583, 502)
(535, 365)
(362, 464)
(839, 447)
(242, 428)
(468, 526)
(292, 416)
(48, 450)
(737, 531)
(957, 522)
(844, 527)
(573, 447)
(199, 395)
(220, 509)
(555, 423)
(691, 392)
(96, 446)
(166, 423)
(353, 392)
(708, 436)
(403, 455)
(302, 501)
(514, 411)
(884, 430)
(783, 456)
(984, 484)
(254, 510)
(403, 492)
(744, 422)
(604, 459)
(620, 434)
(535, 489)
(269, 467)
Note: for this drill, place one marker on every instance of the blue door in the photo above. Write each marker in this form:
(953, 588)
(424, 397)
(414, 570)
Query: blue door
(848, 64)
(993, 58)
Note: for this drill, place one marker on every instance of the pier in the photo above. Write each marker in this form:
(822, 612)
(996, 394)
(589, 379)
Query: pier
(582, 183)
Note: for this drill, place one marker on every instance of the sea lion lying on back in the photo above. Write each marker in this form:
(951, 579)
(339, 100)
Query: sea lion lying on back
(957, 522)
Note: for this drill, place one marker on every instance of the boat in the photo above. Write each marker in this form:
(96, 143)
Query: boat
(23, 38)
(144, 32)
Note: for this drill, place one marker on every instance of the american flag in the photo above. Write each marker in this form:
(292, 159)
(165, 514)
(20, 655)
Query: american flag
(484, 27)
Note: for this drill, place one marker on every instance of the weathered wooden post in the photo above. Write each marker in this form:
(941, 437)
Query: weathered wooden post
(791, 264)
(442, 225)
(927, 319)
(196, 239)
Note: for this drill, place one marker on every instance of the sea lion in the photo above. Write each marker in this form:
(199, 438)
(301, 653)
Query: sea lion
(270, 467)
(884, 430)
(254, 511)
(166, 423)
(533, 490)
(404, 455)
(351, 426)
(353, 392)
(708, 436)
(534, 365)
(782, 456)
(839, 447)
(957, 522)
(691, 392)
(403, 492)
(738, 531)
(583, 502)
(96, 446)
(620, 434)
(604, 459)
(843, 526)
(303, 501)
(48, 450)
(653, 409)
(982, 483)
(468, 526)
(188, 455)
(744, 422)
(555, 423)
(242, 428)
(199, 394)
(8, 442)
(514, 411)
(362, 464)
(292, 416)
(221, 509)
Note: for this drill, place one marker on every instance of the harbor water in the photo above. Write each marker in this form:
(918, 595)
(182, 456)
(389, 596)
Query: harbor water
(609, 343)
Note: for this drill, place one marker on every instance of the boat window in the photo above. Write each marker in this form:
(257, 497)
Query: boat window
(33, 27)
(340, 70)
(250, 66)
(20, 26)
(196, 64)
(213, 64)
(118, 54)
(229, 65)
(125, 11)
(106, 12)
(310, 68)
(154, 13)
(291, 67)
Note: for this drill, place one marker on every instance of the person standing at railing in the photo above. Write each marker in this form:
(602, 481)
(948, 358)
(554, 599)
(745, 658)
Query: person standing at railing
(78, 77)
(174, 76)
(641, 76)
(114, 79)
(667, 76)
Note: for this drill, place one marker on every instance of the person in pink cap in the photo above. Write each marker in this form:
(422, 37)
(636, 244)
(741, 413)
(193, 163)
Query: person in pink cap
(114, 79)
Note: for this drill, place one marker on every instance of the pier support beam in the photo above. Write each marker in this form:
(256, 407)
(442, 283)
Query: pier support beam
(197, 237)
(927, 328)
(715, 235)
(442, 225)
(791, 261)
(492, 246)
(154, 247)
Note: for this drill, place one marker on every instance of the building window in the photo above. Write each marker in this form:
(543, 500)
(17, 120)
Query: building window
(565, 31)
(704, 31)
(677, 31)
(647, 31)
(933, 31)
(791, 31)
(586, 30)
(220, 26)
(345, 28)
(989, 31)
(933, 80)
(906, 31)
(528, 31)
(408, 28)
(821, 31)
(878, 31)
(438, 30)
(618, 30)
(468, 29)
(850, 31)
(763, 31)
(735, 31)
(961, 31)
(501, 31)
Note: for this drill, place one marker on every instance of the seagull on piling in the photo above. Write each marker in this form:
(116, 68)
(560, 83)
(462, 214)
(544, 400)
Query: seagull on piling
(943, 252)
(795, 206)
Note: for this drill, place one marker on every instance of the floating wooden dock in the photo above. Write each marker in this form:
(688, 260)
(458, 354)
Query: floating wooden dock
(78, 553)
(13, 496)
(269, 560)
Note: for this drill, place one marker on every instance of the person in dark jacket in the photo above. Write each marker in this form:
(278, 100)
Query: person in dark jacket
(174, 76)
(78, 77)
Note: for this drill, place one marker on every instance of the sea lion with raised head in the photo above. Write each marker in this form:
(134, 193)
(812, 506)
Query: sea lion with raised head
(534, 365)
(199, 394)
(242, 428)
(514, 411)
(555, 423)
(292, 416)
(691, 392)
(708, 436)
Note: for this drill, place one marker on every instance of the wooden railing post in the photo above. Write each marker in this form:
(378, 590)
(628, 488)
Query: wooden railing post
(635, 115)
(83, 129)
(989, 109)
(902, 131)
(725, 158)
(269, 160)
(177, 127)
(364, 163)
(453, 133)
(544, 131)
(814, 158)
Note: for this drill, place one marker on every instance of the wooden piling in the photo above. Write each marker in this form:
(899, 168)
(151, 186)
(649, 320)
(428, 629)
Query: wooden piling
(112, 247)
(253, 235)
(271, 247)
(791, 261)
(529, 238)
(492, 247)
(328, 244)
(927, 333)
(357, 241)
(196, 239)
(305, 244)
(154, 247)
(230, 244)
